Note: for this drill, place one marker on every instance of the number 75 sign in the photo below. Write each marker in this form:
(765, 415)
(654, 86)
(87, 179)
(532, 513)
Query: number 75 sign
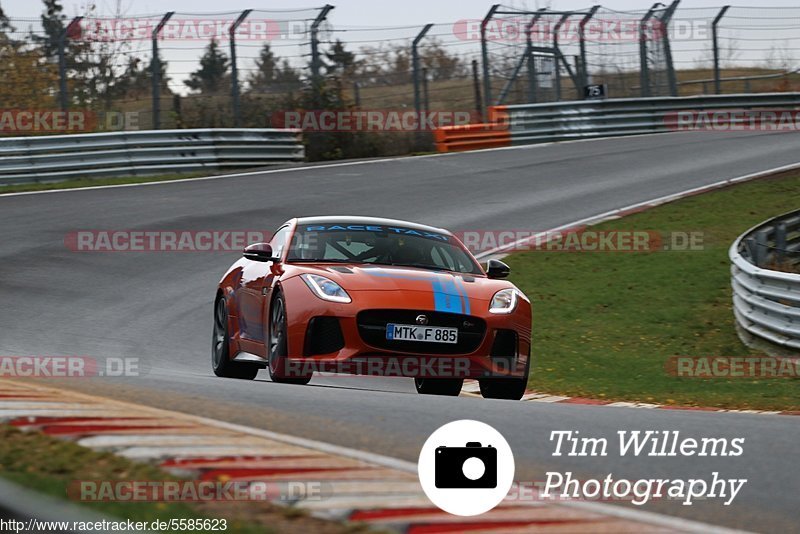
(596, 91)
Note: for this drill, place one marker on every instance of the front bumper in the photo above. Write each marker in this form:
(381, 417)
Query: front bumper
(328, 337)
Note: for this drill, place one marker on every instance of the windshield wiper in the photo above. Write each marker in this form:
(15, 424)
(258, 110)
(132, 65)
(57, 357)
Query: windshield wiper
(321, 260)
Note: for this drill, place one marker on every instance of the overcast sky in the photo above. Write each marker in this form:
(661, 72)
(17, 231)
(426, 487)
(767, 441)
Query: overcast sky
(365, 12)
(757, 36)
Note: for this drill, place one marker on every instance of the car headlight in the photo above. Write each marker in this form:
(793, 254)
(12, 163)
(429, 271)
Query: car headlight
(325, 288)
(504, 301)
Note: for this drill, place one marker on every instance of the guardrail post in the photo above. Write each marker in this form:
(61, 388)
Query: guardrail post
(584, 72)
(487, 81)
(715, 42)
(316, 63)
(155, 66)
(665, 20)
(62, 63)
(237, 113)
(760, 257)
(780, 242)
(644, 74)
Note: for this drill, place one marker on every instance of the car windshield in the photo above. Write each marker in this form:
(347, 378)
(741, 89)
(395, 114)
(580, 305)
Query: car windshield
(379, 245)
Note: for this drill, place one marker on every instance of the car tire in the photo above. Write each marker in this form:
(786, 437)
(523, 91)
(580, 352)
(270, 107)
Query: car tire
(277, 349)
(449, 387)
(221, 361)
(505, 388)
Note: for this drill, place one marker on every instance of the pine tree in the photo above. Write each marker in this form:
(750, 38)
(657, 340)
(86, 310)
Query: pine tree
(53, 24)
(266, 71)
(213, 71)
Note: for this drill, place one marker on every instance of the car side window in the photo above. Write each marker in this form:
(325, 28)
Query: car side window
(278, 242)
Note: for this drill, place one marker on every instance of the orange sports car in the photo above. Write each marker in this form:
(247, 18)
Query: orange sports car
(372, 296)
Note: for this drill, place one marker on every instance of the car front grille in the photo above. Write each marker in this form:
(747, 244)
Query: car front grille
(372, 329)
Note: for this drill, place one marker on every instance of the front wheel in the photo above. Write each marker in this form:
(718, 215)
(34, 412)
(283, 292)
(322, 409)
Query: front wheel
(278, 345)
(449, 387)
(220, 348)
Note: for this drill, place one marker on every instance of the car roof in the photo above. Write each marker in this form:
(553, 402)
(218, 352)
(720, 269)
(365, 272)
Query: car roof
(381, 221)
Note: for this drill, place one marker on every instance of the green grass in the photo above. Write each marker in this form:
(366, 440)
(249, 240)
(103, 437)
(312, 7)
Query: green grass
(605, 324)
(92, 182)
(49, 465)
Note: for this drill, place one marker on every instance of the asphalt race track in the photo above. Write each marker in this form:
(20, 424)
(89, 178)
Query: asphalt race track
(157, 306)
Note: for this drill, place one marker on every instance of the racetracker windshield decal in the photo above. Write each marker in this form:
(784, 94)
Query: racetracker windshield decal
(397, 230)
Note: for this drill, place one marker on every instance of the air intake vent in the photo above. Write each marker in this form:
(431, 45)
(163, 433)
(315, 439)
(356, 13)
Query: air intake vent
(323, 336)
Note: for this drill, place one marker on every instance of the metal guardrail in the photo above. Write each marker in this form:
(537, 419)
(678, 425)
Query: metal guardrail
(766, 300)
(587, 119)
(542, 123)
(60, 157)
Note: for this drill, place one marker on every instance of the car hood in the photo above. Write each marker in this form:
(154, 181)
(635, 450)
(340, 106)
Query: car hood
(390, 278)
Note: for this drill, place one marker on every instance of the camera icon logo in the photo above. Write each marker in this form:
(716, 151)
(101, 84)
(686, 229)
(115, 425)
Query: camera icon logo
(463, 476)
(472, 466)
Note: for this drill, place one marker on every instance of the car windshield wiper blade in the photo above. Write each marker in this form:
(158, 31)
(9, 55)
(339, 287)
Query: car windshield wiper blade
(321, 260)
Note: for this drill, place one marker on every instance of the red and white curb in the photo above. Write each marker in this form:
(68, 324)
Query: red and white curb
(376, 490)
(472, 389)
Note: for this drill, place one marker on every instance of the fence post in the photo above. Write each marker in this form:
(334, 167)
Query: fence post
(487, 81)
(415, 78)
(584, 72)
(476, 88)
(558, 55)
(532, 89)
(357, 94)
(426, 103)
(715, 38)
(316, 83)
(62, 63)
(644, 75)
(665, 20)
(155, 74)
(237, 113)
(415, 71)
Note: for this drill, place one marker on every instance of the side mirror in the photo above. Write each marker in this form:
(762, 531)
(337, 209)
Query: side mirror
(497, 269)
(259, 252)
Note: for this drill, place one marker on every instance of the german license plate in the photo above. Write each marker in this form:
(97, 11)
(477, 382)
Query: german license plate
(429, 334)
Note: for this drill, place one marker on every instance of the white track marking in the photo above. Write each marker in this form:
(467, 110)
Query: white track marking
(499, 252)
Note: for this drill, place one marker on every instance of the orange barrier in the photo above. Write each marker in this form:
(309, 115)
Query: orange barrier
(494, 134)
